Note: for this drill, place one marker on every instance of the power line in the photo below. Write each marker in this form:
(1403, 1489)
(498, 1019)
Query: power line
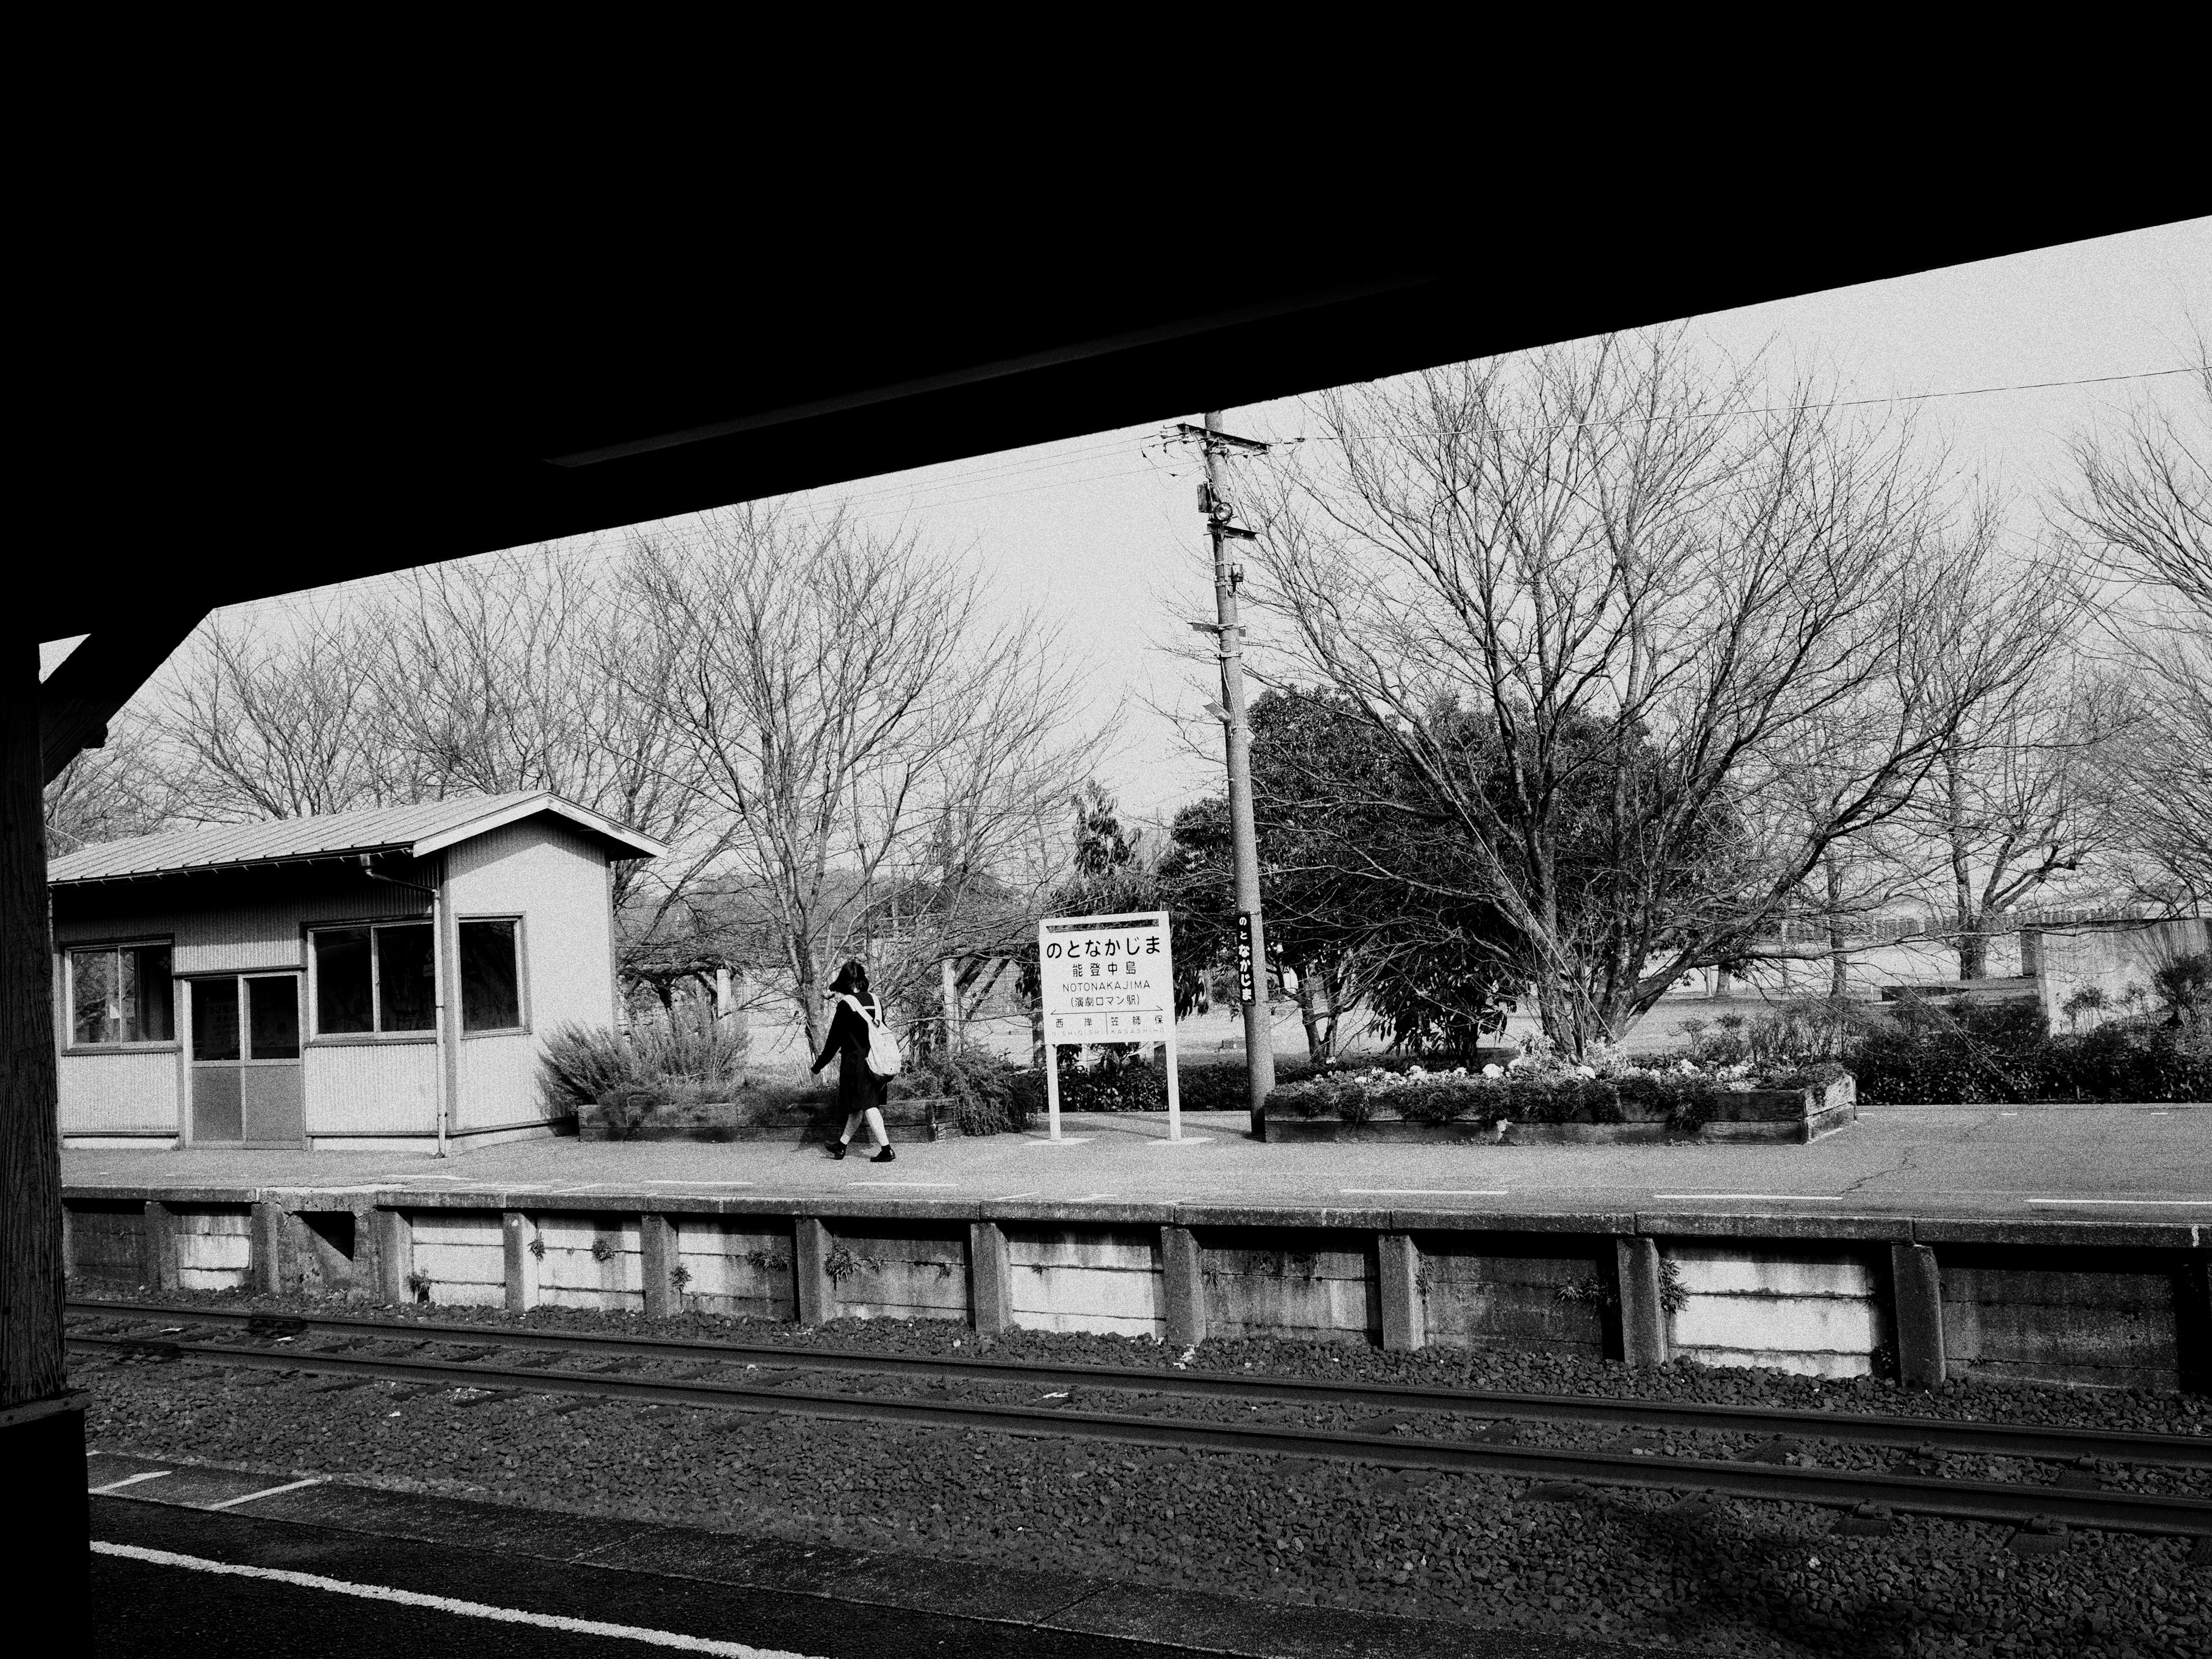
(1089, 450)
(1836, 403)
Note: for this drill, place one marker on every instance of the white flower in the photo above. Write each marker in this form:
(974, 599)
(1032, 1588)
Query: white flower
(1493, 1071)
(1585, 1071)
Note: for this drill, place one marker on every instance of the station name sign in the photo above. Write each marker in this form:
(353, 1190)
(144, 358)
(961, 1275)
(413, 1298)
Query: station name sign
(1107, 979)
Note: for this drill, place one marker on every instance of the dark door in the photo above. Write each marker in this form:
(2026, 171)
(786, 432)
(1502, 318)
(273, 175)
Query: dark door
(247, 1086)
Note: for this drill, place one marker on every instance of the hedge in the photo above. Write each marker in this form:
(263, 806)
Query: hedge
(2005, 1054)
(1683, 1102)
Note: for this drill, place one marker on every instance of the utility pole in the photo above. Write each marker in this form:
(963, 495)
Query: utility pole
(1251, 935)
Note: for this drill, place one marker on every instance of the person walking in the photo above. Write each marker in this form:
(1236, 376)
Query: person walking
(860, 1091)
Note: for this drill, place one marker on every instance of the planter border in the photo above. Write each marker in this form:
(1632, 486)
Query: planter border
(1821, 1109)
(799, 1122)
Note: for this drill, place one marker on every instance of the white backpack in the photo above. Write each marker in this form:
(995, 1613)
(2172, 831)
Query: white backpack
(883, 1060)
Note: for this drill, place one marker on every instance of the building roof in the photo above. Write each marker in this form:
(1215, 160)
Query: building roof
(404, 831)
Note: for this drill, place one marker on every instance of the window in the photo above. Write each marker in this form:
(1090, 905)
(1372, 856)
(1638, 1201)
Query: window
(120, 993)
(374, 979)
(491, 980)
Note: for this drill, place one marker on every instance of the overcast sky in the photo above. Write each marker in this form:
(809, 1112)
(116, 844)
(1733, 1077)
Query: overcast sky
(1100, 535)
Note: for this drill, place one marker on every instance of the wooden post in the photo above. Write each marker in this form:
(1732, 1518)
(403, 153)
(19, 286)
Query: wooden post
(657, 1240)
(515, 1238)
(1184, 1286)
(1917, 1301)
(816, 1292)
(1643, 1314)
(990, 1279)
(42, 1443)
(1398, 1261)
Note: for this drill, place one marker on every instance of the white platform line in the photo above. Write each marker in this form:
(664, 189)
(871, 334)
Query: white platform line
(129, 1480)
(702, 1183)
(1423, 1192)
(1006, 1197)
(1763, 1197)
(901, 1183)
(266, 1491)
(2139, 1203)
(659, 1638)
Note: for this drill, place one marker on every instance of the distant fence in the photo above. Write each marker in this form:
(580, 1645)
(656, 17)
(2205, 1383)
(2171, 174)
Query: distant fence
(1885, 930)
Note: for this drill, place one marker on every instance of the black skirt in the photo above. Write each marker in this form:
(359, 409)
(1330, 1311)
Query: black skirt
(859, 1088)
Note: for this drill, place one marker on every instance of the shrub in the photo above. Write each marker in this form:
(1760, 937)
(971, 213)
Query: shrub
(1930, 1054)
(981, 1090)
(2185, 985)
(1684, 1100)
(585, 1064)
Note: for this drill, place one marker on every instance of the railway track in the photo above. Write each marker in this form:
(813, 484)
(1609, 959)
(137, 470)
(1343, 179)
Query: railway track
(1868, 1495)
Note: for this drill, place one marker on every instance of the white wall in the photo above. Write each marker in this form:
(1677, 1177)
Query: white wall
(555, 880)
(2111, 957)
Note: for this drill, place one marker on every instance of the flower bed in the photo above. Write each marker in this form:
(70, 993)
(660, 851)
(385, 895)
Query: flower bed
(1534, 1100)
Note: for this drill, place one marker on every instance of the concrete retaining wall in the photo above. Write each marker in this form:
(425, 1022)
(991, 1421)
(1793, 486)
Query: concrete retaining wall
(2110, 1304)
(1810, 1308)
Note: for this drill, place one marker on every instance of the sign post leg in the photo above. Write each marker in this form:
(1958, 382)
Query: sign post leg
(1175, 1094)
(1052, 1084)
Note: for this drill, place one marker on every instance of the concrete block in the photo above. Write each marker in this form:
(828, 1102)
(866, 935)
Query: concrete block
(516, 1236)
(990, 1288)
(816, 1296)
(1643, 1317)
(1705, 1271)
(1765, 1324)
(395, 1255)
(1916, 1294)
(1183, 1286)
(664, 1298)
(736, 1265)
(1397, 1264)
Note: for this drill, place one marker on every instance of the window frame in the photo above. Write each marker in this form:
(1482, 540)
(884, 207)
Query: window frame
(521, 978)
(67, 1013)
(312, 1034)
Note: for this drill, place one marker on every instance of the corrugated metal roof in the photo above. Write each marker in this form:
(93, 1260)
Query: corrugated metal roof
(381, 829)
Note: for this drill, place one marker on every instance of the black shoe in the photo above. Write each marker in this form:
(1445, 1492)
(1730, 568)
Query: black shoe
(837, 1149)
(886, 1155)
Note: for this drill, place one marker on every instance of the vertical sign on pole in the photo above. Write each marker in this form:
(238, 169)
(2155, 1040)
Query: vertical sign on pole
(1107, 979)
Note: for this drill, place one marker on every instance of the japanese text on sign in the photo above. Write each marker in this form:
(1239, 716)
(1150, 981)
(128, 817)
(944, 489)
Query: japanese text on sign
(1107, 979)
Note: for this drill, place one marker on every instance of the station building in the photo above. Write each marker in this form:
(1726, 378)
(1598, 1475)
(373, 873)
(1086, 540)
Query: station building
(377, 980)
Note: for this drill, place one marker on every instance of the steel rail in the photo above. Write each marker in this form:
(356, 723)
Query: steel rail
(1993, 1439)
(1963, 1500)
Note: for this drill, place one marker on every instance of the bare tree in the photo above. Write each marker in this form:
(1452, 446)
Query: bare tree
(280, 722)
(877, 748)
(2140, 518)
(108, 794)
(532, 673)
(2024, 799)
(1590, 595)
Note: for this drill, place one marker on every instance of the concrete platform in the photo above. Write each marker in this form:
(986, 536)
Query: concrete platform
(2055, 1244)
(2148, 1162)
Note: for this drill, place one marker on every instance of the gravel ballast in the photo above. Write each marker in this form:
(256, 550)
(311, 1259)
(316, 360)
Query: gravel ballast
(1721, 1578)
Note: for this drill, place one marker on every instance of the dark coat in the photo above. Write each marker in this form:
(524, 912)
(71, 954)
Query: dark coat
(858, 1088)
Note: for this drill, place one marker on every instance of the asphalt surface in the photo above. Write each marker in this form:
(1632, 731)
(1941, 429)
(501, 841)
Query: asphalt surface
(165, 1578)
(2099, 1162)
